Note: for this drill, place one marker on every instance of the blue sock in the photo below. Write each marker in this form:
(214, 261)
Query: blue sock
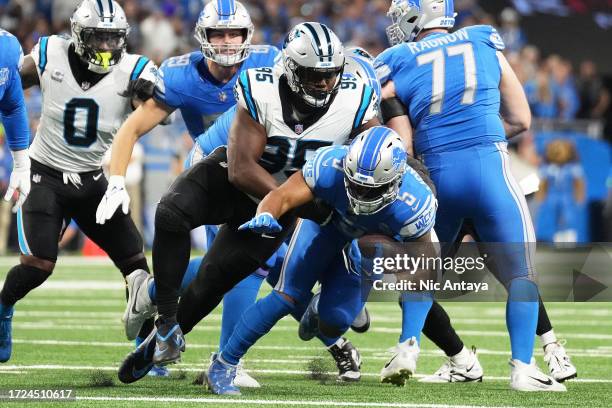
(235, 302)
(190, 274)
(415, 307)
(255, 322)
(139, 341)
(522, 318)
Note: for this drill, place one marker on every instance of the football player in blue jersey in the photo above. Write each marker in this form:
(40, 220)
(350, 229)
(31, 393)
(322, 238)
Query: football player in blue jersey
(14, 118)
(446, 91)
(372, 190)
(199, 84)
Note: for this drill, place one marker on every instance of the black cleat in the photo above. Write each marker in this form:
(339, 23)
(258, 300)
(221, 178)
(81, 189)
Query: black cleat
(347, 360)
(139, 362)
(309, 323)
(170, 342)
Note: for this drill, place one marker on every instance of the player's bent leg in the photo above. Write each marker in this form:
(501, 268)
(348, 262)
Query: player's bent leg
(20, 280)
(256, 321)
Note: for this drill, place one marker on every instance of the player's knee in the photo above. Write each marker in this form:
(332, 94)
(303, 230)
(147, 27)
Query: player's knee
(168, 219)
(44, 265)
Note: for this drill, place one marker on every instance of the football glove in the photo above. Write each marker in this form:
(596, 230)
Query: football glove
(20, 178)
(263, 223)
(116, 195)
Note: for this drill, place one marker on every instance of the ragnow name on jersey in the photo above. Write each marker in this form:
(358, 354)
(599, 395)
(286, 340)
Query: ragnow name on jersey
(450, 86)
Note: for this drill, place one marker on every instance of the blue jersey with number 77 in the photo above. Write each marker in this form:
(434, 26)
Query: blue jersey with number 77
(449, 83)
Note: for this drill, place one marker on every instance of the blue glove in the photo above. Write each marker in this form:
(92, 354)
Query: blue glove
(263, 223)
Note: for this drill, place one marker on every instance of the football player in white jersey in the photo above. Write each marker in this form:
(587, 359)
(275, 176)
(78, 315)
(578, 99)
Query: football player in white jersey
(88, 84)
(279, 123)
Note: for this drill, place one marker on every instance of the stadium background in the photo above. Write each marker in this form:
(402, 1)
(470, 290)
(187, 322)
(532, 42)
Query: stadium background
(566, 76)
(67, 334)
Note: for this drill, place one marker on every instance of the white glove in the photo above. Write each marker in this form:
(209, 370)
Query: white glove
(20, 178)
(115, 196)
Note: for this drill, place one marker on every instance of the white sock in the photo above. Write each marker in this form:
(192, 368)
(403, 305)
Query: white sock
(461, 358)
(548, 337)
(338, 343)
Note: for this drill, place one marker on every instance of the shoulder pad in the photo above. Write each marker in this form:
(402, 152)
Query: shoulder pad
(488, 35)
(322, 168)
(253, 89)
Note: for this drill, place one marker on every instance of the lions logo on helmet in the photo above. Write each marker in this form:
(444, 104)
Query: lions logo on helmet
(313, 62)
(224, 15)
(373, 169)
(410, 17)
(99, 31)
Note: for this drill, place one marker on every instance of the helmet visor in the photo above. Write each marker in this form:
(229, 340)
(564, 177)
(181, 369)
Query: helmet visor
(102, 40)
(366, 193)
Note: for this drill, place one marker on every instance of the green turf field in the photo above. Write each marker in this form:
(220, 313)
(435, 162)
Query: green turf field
(68, 334)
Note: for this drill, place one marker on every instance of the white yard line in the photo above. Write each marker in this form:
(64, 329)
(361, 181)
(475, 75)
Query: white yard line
(319, 403)
(377, 352)
(199, 368)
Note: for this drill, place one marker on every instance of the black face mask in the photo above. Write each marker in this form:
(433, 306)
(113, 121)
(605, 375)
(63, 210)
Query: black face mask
(312, 79)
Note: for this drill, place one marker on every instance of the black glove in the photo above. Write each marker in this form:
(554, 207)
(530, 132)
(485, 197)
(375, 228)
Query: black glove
(140, 89)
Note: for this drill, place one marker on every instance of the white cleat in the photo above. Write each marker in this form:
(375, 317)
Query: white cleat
(243, 379)
(452, 371)
(559, 363)
(402, 364)
(139, 307)
(528, 377)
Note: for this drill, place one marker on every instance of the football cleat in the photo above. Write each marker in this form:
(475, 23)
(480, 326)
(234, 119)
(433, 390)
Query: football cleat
(242, 379)
(348, 360)
(139, 362)
(361, 324)
(139, 307)
(559, 363)
(6, 341)
(159, 371)
(402, 364)
(528, 377)
(309, 323)
(220, 378)
(452, 371)
(170, 342)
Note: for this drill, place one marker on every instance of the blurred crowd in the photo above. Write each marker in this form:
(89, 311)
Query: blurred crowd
(557, 90)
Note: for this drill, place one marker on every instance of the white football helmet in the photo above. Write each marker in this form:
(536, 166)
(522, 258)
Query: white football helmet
(99, 31)
(373, 169)
(312, 53)
(360, 63)
(225, 15)
(410, 17)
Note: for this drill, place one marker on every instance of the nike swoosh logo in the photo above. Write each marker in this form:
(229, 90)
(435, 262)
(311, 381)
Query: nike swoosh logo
(96, 178)
(267, 236)
(547, 382)
(140, 373)
(134, 310)
(470, 369)
(389, 362)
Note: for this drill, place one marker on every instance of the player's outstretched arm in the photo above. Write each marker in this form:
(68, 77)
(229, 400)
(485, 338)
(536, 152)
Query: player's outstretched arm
(246, 144)
(148, 115)
(28, 73)
(514, 106)
(291, 194)
(395, 115)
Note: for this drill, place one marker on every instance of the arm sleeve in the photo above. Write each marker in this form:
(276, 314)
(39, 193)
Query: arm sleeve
(39, 54)
(321, 170)
(419, 222)
(14, 115)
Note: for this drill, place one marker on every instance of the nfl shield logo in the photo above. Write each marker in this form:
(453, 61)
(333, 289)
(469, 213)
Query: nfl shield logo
(222, 96)
(299, 128)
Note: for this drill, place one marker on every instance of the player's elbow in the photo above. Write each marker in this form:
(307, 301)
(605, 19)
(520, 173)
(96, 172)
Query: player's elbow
(237, 172)
(524, 122)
